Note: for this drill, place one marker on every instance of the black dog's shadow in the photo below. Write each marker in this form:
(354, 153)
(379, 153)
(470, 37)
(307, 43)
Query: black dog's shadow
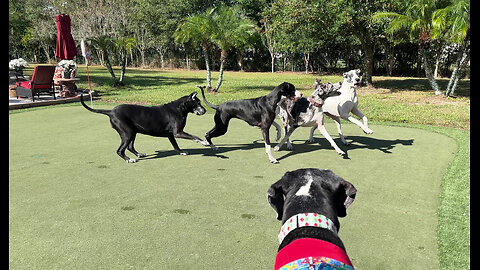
(207, 151)
(356, 142)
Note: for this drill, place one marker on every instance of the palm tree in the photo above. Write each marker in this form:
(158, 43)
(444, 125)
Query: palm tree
(231, 31)
(198, 30)
(222, 26)
(418, 22)
(103, 44)
(124, 45)
(454, 24)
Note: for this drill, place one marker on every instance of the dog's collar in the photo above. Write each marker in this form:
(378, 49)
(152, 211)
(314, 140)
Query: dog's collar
(313, 102)
(303, 220)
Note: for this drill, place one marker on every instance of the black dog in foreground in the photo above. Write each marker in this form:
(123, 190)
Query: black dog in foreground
(309, 202)
(166, 120)
(259, 112)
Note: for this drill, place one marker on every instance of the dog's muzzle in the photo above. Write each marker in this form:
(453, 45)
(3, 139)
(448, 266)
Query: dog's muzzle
(357, 83)
(199, 110)
(297, 96)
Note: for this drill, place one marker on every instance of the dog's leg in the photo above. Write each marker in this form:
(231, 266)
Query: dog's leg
(268, 149)
(312, 130)
(175, 145)
(126, 135)
(185, 135)
(360, 115)
(336, 119)
(121, 150)
(325, 134)
(219, 129)
(131, 148)
(285, 139)
(279, 133)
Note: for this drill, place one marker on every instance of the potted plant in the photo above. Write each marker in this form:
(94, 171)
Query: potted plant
(68, 68)
(18, 65)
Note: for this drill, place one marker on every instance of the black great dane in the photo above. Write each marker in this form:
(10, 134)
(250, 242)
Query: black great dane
(259, 112)
(309, 202)
(166, 120)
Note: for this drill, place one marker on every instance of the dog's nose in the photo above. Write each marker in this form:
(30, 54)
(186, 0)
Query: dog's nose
(357, 79)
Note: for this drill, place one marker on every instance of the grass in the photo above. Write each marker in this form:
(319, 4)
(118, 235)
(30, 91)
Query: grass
(395, 99)
(76, 204)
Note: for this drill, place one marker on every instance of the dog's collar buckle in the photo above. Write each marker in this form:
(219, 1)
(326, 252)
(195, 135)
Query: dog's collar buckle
(313, 102)
(304, 220)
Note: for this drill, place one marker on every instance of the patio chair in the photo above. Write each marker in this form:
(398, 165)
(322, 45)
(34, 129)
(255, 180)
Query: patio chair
(41, 82)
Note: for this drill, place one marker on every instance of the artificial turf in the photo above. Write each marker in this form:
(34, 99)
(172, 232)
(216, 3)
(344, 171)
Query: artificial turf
(74, 204)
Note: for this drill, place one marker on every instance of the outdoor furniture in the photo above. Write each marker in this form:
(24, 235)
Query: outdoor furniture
(41, 82)
(69, 89)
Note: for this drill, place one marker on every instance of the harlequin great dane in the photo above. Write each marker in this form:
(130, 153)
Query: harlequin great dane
(341, 106)
(307, 113)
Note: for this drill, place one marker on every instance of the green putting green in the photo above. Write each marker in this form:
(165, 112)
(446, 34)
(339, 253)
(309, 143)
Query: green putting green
(74, 204)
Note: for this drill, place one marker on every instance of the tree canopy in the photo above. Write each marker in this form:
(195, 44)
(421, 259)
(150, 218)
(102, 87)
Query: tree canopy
(403, 37)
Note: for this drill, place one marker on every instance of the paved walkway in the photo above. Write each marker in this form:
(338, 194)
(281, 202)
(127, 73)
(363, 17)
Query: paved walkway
(44, 100)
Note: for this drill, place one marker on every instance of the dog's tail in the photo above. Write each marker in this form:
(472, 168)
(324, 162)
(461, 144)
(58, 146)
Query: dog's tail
(107, 112)
(202, 88)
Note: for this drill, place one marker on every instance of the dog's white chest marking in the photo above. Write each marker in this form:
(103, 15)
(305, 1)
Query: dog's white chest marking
(304, 190)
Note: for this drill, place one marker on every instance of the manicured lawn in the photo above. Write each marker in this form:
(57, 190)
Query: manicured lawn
(75, 204)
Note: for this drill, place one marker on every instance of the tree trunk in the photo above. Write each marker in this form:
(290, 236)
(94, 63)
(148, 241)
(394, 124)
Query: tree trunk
(207, 66)
(460, 65)
(187, 60)
(306, 59)
(424, 47)
(368, 47)
(427, 65)
(124, 66)
(45, 50)
(272, 55)
(240, 59)
(106, 60)
(223, 57)
(456, 74)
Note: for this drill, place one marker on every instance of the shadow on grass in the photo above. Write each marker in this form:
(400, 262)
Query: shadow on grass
(421, 84)
(207, 151)
(139, 81)
(356, 142)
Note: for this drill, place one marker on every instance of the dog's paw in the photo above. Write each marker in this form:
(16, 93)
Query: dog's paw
(140, 155)
(131, 160)
(183, 153)
(274, 161)
(289, 146)
(276, 148)
(368, 131)
(204, 143)
(214, 148)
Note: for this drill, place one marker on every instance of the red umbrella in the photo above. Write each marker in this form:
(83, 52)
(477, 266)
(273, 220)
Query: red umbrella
(66, 48)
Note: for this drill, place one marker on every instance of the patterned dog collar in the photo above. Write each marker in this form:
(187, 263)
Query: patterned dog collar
(313, 102)
(303, 220)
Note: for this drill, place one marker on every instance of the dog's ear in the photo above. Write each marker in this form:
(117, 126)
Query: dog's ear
(275, 196)
(193, 95)
(345, 197)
